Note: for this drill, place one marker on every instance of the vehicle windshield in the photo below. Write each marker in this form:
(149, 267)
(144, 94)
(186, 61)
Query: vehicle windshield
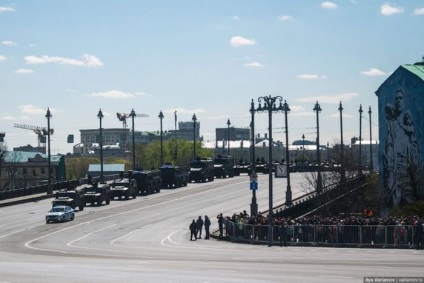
(57, 209)
(197, 165)
(121, 184)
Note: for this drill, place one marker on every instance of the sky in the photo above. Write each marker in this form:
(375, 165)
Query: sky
(203, 57)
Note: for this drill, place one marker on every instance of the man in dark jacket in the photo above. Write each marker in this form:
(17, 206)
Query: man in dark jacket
(220, 224)
(193, 231)
(207, 225)
(199, 226)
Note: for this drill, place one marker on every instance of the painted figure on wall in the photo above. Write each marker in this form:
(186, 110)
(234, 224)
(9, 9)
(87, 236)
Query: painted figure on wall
(401, 154)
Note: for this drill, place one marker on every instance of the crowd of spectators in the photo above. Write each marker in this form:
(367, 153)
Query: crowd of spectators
(364, 227)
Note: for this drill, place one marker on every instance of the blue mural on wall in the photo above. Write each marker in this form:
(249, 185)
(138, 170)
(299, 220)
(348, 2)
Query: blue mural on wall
(401, 132)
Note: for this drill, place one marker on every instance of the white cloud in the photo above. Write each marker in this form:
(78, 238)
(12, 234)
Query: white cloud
(310, 77)
(2, 58)
(114, 94)
(9, 43)
(344, 115)
(419, 12)
(237, 41)
(285, 18)
(235, 18)
(8, 118)
(32, 110)
(388, 9)
(184, 111)
(86, 61)
(24, 71)
(254, 65)
(373, 72)
(331, 99)
(6, 9)
(328, 5)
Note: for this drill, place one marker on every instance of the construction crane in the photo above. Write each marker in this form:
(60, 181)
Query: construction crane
(123, 118)
(41, 132)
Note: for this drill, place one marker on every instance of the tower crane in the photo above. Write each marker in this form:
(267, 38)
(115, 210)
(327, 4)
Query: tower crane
(41, 132)
(123, 118)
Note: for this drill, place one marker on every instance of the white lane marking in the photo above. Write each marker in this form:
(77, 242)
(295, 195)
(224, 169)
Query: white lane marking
(117, 239)
(169, 239)
(89, 234)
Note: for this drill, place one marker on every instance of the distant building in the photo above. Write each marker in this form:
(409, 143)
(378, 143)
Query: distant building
(19, 169)
(108, 169)
(232, 133)
(401, 134)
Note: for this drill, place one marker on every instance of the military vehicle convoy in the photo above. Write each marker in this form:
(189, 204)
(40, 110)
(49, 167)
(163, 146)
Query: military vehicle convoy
(146, 182)
(123, 188)
(201, 169)
(70, 197)
(97, 193)
(242, 167)
(174, 176)
(223, 167)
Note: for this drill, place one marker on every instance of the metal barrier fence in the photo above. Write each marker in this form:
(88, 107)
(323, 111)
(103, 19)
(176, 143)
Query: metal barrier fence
(390, 235)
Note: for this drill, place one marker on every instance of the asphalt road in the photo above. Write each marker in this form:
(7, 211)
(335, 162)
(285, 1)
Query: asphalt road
(147, 240)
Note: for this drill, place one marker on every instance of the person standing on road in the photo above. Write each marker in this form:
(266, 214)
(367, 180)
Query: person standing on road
(193, 231)
(199, 226)
(207, 225)
(220, 224)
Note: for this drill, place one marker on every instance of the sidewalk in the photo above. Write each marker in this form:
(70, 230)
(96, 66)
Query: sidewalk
(23, 199)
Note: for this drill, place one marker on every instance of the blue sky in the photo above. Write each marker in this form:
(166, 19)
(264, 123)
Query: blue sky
(206, 57)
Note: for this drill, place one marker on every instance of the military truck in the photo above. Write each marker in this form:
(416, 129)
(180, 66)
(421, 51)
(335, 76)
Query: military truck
(124, 187)
(201, 169)
(174, 176)
(73, 197)
(146, 182)
(223, 166)
(97, 193)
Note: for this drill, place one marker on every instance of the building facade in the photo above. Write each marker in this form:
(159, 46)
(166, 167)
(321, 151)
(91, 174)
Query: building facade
(401, 134)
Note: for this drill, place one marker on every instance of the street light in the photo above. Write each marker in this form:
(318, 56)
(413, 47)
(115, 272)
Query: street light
(286, 109)
(228, 136)
(342, 167)
(360, 139)
(176, 143)
(194, 118)
(254, 204)
(371, 160)
(49, 182)
(161, 138)
(269, 106)
(303, 146)
(318, 109)
(133, 115)
(100, 116)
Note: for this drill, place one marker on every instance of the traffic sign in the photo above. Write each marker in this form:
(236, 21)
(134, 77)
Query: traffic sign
(253, 185)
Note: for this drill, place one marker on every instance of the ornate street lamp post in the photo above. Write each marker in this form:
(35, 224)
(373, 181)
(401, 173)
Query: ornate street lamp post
(371, 159)
(228, 136)
(161, 138)
(303, 146)
(269, 106)
(132, 115)
(100, 116)
(194, 118)
(175, 137)
(342, 166)
(254, 204)
(49, 182)
(360, 139)
(317, 108)
(286, 109)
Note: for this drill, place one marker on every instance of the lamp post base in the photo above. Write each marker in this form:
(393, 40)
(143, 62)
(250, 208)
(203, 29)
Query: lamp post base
(253, 207)
(288, 197)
